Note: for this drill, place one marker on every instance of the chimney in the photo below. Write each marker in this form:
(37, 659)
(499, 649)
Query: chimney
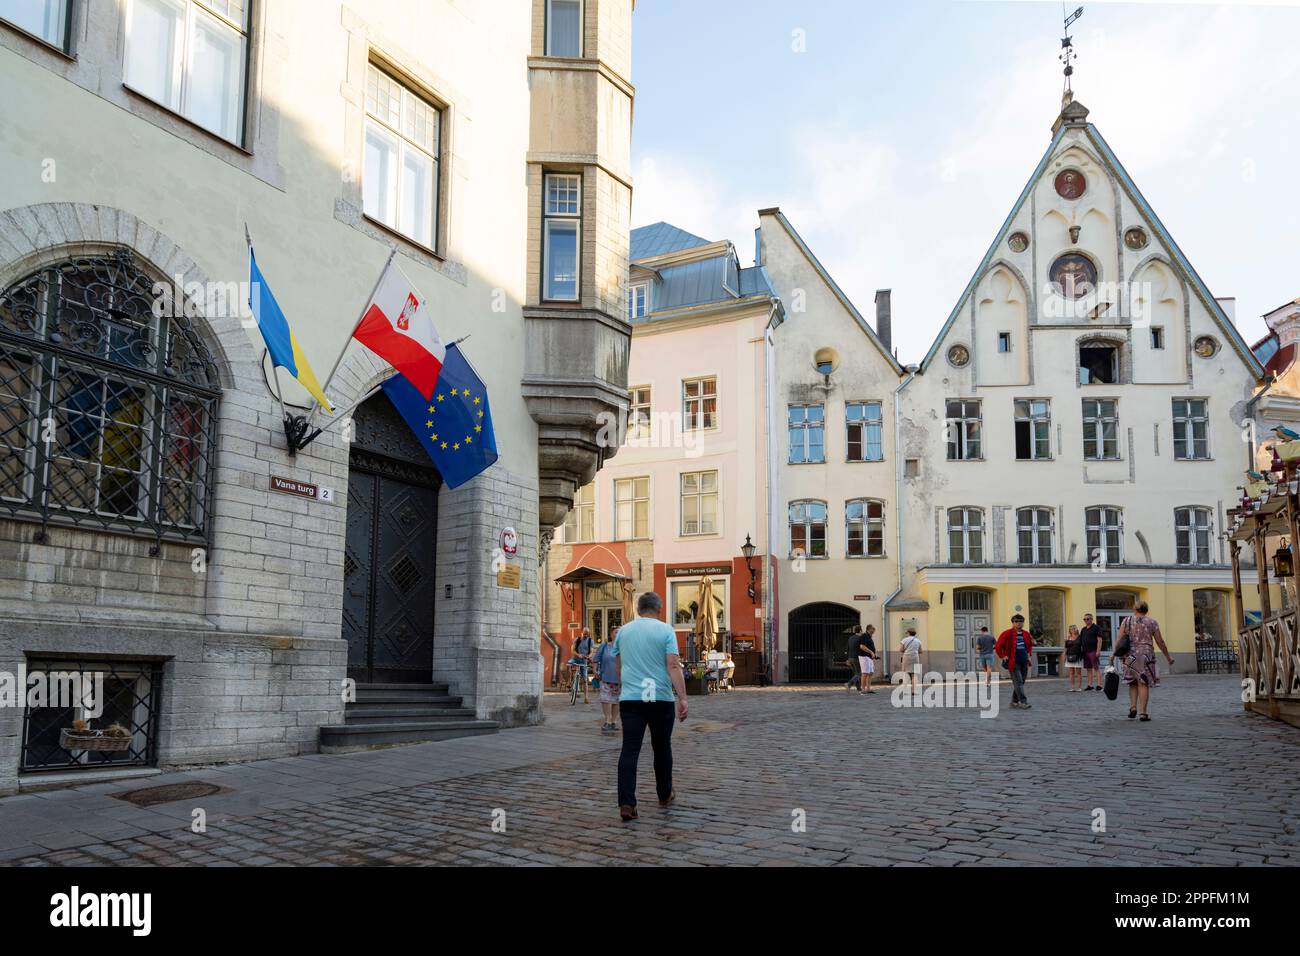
(1229, 305)
(884, 331)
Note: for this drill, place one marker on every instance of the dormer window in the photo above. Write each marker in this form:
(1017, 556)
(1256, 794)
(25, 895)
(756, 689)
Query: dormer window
(638, 300)
(1098, 364)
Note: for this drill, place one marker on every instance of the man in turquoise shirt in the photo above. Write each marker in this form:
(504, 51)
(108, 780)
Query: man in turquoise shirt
(650, 672)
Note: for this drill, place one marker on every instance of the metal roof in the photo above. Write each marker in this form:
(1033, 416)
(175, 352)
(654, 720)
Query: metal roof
(659, 238)
(716, 279)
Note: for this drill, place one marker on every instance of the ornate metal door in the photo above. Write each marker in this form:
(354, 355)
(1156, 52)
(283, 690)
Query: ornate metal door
(819, 640)
(390, 559)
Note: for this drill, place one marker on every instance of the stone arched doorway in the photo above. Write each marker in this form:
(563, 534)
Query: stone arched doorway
(818, 641)
(390, 558)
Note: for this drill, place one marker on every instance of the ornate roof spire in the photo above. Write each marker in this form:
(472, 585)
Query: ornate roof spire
(1067, 53)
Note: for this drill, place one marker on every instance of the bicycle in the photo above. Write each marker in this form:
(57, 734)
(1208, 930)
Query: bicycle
(577, 681)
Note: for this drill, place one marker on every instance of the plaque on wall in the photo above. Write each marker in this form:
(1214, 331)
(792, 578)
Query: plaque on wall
(508, 577)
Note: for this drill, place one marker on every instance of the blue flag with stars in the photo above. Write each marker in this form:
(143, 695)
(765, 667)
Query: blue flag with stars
(454, 424)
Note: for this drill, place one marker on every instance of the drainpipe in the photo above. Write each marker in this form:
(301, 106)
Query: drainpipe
(898, 509)
(546, 606)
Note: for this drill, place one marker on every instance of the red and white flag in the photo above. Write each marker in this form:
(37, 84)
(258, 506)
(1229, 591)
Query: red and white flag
(397, 327)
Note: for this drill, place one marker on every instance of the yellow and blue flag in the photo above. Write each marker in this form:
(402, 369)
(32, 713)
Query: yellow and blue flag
(454, 424)
(283, 348)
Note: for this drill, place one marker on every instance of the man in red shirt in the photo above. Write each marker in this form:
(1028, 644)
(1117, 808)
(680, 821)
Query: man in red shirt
(1014, 647)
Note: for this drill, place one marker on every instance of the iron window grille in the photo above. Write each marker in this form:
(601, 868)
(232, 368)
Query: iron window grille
(108, 406)
(132, 698)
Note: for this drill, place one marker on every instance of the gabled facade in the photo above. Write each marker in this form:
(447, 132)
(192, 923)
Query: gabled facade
(1072, 437)
(833, 511)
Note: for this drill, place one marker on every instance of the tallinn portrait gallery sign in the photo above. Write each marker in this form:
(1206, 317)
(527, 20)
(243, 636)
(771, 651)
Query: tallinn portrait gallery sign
(696, 570)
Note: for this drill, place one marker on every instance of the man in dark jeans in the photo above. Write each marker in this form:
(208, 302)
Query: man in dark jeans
(851, 648)
(1015, 647)
(653, 696)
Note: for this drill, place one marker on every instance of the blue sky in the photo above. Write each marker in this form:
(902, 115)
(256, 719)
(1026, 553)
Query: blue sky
(898, 140)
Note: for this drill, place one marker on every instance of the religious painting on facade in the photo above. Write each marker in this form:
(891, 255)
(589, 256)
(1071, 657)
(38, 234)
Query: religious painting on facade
(1018, 242)
(1135, 238)
(1073, 275)
(1070, 184)
(958, 356)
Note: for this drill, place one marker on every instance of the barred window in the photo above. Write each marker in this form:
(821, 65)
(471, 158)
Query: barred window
(107, 410)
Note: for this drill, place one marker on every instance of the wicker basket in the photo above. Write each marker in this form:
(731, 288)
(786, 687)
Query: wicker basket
(91, 740)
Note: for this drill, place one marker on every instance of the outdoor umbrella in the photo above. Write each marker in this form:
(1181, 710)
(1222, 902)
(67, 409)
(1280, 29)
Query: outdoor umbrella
(628, 611)
(706, 621)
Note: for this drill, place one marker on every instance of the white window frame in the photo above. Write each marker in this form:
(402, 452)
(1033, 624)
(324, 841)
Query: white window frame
(551, 218)
(867, 524)
(640, 421)
(1094, 449)
(865, 423)
(800, 432)
(1098, 528)
(694, 420)
(958, 429)
(1032, 418)
(576, 513)
(405, 143)
(582, 20)
(633, 502)
(180, 66)
(1041, 519)
(807, 522)
(1185, 450)
(699, 495)
(63, 42)
(1187, 532)
(971, 531)
(1004, 343)
(633, 290)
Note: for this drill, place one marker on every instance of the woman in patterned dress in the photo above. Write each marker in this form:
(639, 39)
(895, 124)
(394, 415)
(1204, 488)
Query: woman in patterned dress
(1140, 672)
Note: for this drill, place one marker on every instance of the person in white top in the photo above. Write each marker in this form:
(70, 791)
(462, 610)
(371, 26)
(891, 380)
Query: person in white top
(911, 650)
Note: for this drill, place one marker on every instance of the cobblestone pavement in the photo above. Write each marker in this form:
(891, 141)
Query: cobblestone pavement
(1202, 783)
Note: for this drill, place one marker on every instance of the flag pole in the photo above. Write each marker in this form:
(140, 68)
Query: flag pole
(339, 361)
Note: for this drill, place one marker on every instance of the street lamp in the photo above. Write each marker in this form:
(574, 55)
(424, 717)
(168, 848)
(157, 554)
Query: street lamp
(747, 549)
(1283, 566)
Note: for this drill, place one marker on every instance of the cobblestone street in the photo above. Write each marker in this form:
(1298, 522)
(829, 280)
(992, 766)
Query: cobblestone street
(1202, 783)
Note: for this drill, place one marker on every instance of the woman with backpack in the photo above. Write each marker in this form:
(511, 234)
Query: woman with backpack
(1074, 658)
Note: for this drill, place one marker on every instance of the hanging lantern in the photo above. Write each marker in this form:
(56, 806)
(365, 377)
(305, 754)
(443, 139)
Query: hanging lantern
(1283, 567)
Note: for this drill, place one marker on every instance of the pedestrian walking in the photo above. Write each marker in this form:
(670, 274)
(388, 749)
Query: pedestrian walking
(1074, 659)
(581, 660)
(984, 643)
(607, 671)
(1140, 671)
(1090, 645)
(1015, 646)
(650, 672)
(866, 652)
(910, 647)
(851, 652)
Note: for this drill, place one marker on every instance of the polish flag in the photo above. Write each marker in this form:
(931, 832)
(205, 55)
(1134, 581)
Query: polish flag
(397, 327)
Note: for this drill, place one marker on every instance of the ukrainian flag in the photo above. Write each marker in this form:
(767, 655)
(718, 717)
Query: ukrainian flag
(280, 343)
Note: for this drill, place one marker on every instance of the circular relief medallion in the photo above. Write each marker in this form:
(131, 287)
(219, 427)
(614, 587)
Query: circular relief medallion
(1205, 346)
(1135, 238)
(1018, 242)
(958, 356)
(1070, 184)
(1073, 275)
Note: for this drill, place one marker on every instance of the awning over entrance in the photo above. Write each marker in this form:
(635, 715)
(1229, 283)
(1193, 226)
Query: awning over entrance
(582, 572)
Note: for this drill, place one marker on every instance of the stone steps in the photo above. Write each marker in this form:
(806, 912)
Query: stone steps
(386, 715)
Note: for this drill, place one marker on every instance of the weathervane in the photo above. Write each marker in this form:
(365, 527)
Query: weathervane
(1067, 52)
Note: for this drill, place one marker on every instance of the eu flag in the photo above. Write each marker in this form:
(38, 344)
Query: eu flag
(454, 424)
